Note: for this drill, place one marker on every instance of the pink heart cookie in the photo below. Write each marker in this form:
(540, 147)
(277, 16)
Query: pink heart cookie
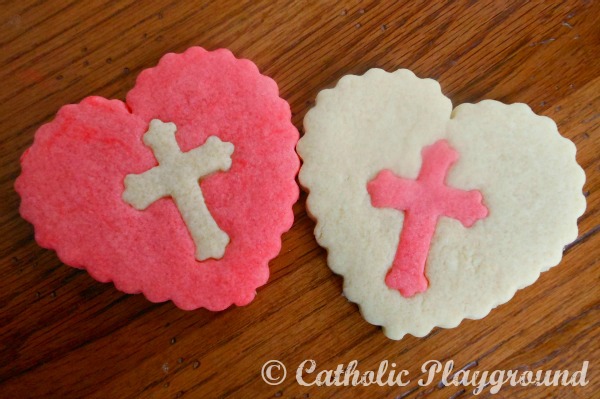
(73, 182)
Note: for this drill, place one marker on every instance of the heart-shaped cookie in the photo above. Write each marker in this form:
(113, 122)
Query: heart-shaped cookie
(180, 193)
(434, 215)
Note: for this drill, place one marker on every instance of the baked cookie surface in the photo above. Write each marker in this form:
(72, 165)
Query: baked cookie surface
(502, 207)
(181, 193)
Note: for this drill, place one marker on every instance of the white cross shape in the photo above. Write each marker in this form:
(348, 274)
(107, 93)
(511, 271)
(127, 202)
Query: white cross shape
(177, 176)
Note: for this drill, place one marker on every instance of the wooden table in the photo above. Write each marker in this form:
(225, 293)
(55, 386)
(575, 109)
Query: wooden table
(65, 335)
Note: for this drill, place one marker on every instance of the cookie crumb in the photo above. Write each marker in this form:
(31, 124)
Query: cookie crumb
(568, 25)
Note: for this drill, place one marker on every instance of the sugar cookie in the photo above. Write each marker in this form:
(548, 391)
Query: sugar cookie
(434, 215)
(180, 193)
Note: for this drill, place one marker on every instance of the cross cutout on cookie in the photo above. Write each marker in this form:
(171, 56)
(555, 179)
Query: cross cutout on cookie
(423, 201)
(177, 176)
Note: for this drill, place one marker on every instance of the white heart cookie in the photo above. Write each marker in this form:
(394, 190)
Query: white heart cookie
(523, 168)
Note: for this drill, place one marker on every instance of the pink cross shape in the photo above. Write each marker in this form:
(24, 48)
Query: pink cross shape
(423, 201)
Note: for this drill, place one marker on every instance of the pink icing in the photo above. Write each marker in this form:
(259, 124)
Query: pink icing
(423, 201)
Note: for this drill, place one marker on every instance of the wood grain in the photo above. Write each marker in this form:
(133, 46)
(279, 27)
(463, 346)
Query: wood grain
(64, 335)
